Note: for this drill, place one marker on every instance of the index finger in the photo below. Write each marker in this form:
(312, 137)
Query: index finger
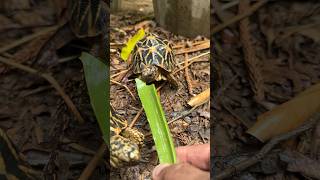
(197, 155)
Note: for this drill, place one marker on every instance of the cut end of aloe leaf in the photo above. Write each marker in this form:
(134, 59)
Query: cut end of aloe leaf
(157, 121)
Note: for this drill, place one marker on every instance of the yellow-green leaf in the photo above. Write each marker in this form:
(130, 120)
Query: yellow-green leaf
(126, 51)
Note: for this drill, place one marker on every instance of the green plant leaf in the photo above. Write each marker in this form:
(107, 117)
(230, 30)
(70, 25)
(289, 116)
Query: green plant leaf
(157, 121)
(97, 78)
(126, 51)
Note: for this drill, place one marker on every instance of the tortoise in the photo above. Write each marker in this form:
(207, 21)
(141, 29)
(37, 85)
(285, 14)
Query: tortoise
(88, 19)
(125, 144)
(153, 60)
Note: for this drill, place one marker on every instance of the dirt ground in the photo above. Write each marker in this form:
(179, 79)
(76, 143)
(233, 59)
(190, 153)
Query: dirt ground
(193, 128)
(274, 52)
(258, 63)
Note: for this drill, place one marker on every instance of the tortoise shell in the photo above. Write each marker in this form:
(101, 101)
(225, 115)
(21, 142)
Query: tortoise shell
(88, 18)
(153, 50)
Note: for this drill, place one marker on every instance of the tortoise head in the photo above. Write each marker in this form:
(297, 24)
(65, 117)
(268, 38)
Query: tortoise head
(150, 73)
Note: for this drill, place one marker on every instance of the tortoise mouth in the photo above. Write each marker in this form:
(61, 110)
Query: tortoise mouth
(148, 78)
(149, 74)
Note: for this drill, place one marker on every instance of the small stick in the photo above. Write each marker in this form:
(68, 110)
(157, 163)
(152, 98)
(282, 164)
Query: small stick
(237, 18)
(78, 147)
(121, 72)
(266, 148)
(68, 58)
(51, 80)
(136, 118)
(186, 73)
(126, 87)
(190, 62)
(183, 114)
(27, 38)
(196, 57)
(181, 45)
(86, 173)
(200, 47)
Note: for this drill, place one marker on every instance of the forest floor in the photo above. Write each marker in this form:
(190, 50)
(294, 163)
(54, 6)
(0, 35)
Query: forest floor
(188, 127)
(262, 61)
(47, 136)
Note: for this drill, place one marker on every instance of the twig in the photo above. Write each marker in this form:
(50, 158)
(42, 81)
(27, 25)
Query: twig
(183, 115)
(237, 18)
(161, 86)
(266, 148)
(182, 45)
(229, 5)
(86, 173)
(121, 72)
(51, 80)
(68, 58)
(78, 147)
(195, 57)
(203, 46)
(136, 118)
(27, 38)
(35, 91)
(186, 73)
(186, 113)
(252, 63)
(189, 63)
(126, 87)
(204, 96)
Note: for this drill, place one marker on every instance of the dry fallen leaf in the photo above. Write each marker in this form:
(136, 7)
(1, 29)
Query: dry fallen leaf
(287, 116)
(200, 98)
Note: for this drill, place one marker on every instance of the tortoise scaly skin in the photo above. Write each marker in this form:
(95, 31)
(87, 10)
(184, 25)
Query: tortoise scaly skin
(125, 144)
(153, 60)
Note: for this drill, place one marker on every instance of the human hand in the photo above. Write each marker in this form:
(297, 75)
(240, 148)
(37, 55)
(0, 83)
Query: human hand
(193, 163)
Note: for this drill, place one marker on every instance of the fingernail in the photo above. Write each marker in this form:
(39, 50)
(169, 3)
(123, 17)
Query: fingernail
(157, 170)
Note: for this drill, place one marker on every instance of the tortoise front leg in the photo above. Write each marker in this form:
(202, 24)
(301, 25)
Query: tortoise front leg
(173, 81)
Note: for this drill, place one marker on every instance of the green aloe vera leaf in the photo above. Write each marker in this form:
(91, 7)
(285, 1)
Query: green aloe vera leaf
(157, 121)
(97, 79)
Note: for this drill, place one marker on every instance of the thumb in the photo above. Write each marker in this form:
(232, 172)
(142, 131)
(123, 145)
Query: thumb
(178, 171)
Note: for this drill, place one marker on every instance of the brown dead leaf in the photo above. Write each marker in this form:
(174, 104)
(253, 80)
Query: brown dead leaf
(288, 115)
